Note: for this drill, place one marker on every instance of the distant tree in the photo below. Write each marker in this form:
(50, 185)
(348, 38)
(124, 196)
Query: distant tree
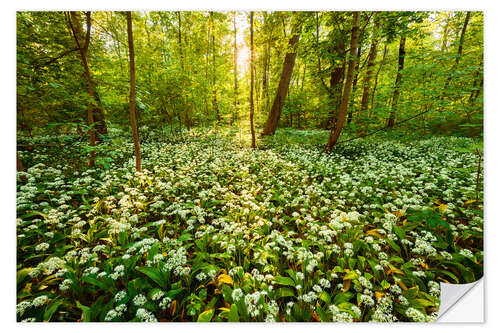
(286, 74)
(399, 75)
(214, 71)
(354, 85)
(251, 80)
(82, 42)
(458, 57)
(235, 113)
(19, 167)
(135, 134)
(337, 129)
(361, 126)
(187, 121)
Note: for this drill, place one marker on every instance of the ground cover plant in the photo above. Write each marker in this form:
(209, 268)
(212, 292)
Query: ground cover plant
(213, 232)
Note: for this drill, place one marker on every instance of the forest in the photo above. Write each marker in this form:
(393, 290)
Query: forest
(275, 166)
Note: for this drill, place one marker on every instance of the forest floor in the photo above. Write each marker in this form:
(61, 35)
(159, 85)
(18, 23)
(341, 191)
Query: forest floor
(215, 231)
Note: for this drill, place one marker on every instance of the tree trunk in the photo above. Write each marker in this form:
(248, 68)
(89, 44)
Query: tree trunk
(286, 74)
(82, 43)
(251, 80)
(361, 127)
(459, 55)
(78, 36)
(376, 79)
(337, 129)
(235, 115)
(135, 134)
(354, 85)
(336, 76)
(265, 67)
(399, 75)
(181, 56)
(445, 35)
(207, 65)
(100, 122)
(478, 84)
(179, 119)
(19, 167)
(214, 71)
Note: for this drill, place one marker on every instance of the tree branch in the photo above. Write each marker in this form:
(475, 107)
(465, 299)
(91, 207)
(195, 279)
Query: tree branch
(52, 60)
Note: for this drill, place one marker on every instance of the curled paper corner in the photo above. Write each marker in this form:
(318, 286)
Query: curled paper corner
(452, 296)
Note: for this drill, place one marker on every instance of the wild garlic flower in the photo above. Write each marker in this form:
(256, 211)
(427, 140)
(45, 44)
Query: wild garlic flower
(467, 253)
(65, 285)
(415, 315)
(237, 294)
(139, 300)
(120, 295)
(40, 300)
(145, 316)
(42, 247)
(165, 302)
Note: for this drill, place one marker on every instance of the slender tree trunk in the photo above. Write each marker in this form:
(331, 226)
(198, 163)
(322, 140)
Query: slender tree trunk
(286, 74)
(361, 128)
(214, 71)
(135, 134)
(478, 84)
(251, 80)
(236, 103)
(77, 34)
(336, 84)
(399, 75)
(445, 35)
(19, 167)
(83, 41)
(354, 85)
(256, 87)
(458, 58)
(337, 129)
(181, 55)
(267, 72)
(179, 119)
(207, 65)
(376, 79)
(265, 67)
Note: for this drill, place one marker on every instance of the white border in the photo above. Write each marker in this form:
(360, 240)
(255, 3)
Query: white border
(8, 62)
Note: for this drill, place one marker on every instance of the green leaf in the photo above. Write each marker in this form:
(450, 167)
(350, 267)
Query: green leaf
(21, 275)
(94, 281)
(322, 315)
(49, 311)
(206, 316)
(385, 284)
(423, 302)
(410, 293)
(233, 314)
(343, 297)
(185, 237)
(154, 274)
(399, 232)
(338, 269)
(86, 313)
(283, 280)
(453, 276)
(394, 245)
(324, 297)
(285, 292)
(351, 275)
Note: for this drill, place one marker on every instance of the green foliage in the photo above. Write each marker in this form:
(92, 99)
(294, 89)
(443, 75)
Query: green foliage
(174, 253)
